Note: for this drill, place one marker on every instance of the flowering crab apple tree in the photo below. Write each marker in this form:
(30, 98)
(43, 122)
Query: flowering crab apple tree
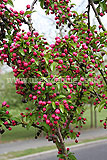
(60, 78)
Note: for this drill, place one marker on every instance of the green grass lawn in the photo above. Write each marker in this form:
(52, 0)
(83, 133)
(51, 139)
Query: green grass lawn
(18, 133)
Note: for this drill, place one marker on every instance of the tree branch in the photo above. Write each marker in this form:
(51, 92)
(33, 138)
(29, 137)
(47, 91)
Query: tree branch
(32, 6)
(70, 23)
(88, 14)
(61, 142)
(39, 127)
(105, 80)
(33, 125)
(22, 20)
(95, 94)
(97, 16)
(30, 19)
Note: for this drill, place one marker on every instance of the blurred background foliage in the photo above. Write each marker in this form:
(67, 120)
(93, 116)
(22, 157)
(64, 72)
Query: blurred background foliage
(8, 94)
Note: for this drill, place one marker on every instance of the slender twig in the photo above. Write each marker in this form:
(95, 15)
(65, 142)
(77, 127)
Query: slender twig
(88, 14)
(95, 94)
(105, 80)
(70, 22)
(60, 33)
(39, 127)
(22, 20)
(33, 125)
(30, 19)
(32, 6)
(97, 16)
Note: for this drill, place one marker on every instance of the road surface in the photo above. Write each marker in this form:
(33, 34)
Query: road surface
(41, 142)
(89, 151)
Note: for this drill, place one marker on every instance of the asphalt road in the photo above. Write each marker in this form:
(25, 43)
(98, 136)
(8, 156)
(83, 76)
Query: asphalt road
(41, 142)
(89, 151)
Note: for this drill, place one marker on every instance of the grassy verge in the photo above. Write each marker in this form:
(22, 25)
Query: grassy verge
(40, 149)
(25, 152)
(19, 133)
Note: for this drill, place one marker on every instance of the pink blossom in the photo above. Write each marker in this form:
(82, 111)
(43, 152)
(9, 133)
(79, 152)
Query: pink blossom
(57, 111)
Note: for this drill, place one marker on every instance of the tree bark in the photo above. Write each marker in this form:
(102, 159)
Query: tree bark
(61, 144)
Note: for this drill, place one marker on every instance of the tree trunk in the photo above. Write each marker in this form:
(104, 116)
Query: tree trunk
(61, 144)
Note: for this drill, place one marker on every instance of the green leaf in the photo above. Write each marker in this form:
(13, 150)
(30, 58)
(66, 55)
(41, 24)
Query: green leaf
(30, 48)
(101, 106)
(59, 85)
(27, 12)
(39, 73)
(22, 52)
(53, 105)
(5, 116)
(1, 62)
(46, 126)
(27, 118)
(41, 3)
(71, 156)
(37, 62)
(60, 155)
(42, 84)
(98, 9)
(68, 89)
(1, 122)
(10, 2)
(45, 79)
(103, 5)
(60, 96)
(53, 65)
(73, 4)
(33, 117)
(16, 119)
(47, 11)
(28, 125)
(61, 108)
(46, 60)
